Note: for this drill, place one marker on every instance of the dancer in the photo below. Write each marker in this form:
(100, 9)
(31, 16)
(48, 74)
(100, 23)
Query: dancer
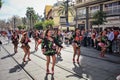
(25, 46)
(36, 38)
(39, 40)
(76, 44)
(58, 37)
(15, 41)
(104, 44)
(49, 49)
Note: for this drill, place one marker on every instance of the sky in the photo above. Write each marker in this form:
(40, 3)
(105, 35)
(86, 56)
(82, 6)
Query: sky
(18, 7)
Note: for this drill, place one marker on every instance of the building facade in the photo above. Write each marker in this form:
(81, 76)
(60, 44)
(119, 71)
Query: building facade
(46, 10)
(60, 19)
(86, 8)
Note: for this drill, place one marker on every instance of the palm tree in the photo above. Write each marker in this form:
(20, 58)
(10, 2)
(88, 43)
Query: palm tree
(36, 18)
(64, 9)
(0, 3)
(30, 15)
(24, 20)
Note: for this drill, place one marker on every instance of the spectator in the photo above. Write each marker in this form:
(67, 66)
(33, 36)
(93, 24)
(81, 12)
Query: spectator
(110, 36)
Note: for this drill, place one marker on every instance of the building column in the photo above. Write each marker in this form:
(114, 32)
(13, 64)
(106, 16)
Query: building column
(87, 17)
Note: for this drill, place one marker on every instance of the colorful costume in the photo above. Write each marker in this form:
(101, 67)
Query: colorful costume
(15, 39)
(24, 42)
(59, 39)
(50, 46)
(77, 40)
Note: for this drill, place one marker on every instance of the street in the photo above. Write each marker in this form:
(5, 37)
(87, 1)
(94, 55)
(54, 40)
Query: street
(91, 67)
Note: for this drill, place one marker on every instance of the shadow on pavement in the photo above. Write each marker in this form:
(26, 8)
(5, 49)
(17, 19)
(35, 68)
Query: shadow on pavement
(18, 68)
(78, 72)
(10, 55)
(32, 52)
(58, 58)
(46, 77)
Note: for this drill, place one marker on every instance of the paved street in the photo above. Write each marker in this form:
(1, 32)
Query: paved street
(91, 67)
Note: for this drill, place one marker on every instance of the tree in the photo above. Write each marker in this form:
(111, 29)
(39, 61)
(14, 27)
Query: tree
(2, 24)
(0, 3)
(65, 9)
(99, 18)
(36, 18)
(30, 15)
(48, 24)
(39, 25)
(21, 27)
(24, 21)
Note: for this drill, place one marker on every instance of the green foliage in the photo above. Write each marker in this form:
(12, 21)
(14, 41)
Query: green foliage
(99, 18)
(44, 24)
(63, 8)
(48, 24)
(39, 25)
(30, 12)
(0, 3)
(32, 16)
(24, 21)
(21, 27)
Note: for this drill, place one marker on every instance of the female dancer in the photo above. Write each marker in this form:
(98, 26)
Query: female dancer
(25, 46)
(76, 44)
(103, 43)
(49, 49)
(15, 41)
(36, 38)
(58, 37)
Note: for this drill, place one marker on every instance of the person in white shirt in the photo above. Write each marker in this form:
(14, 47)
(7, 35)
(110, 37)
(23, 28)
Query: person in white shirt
(9, 34)
(110, 36)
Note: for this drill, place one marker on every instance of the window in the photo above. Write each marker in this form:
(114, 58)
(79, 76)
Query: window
(81, 12)
(112, 8)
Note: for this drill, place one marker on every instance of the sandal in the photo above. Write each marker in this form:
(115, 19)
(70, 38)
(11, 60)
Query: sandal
(24, 60)
(47, 71)
(78, 61)
(29, 59)
(73, 60)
